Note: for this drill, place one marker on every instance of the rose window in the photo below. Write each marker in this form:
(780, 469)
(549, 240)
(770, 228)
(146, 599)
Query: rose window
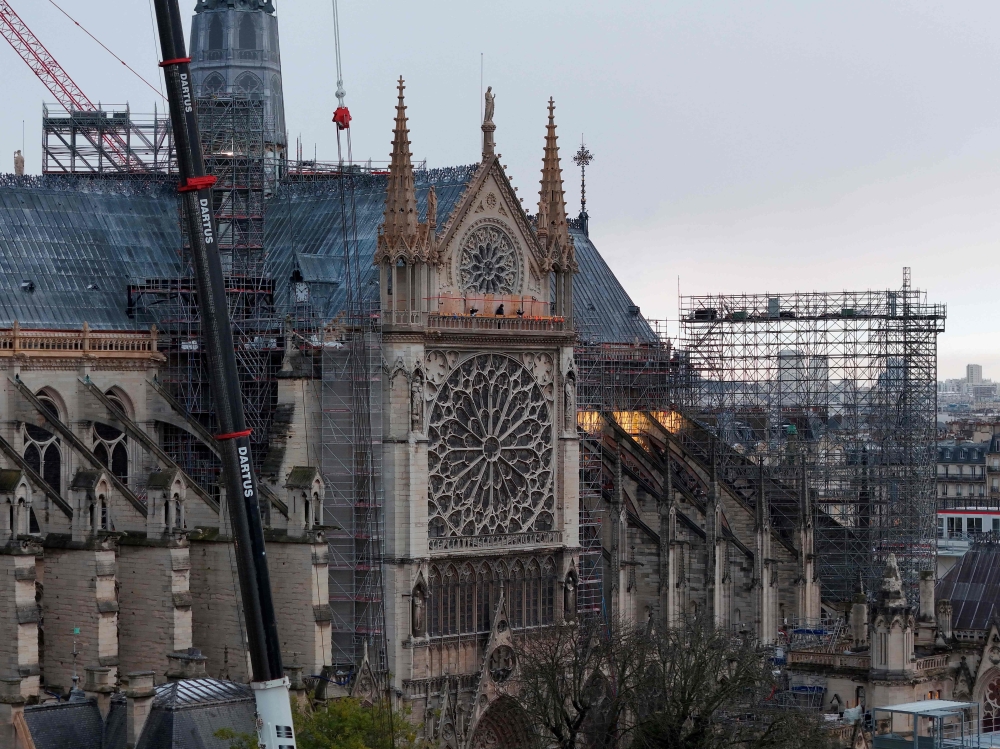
(489, 262)
(490, 452)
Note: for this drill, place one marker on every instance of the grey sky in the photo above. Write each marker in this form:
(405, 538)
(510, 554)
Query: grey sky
(753, 146)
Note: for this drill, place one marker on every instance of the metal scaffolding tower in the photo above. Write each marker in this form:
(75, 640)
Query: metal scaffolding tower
(620, 382)
(236, 138)
(843, 383)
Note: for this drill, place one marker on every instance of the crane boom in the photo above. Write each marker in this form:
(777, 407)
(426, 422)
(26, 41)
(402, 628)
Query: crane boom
(269, 683)
(41, 61)
(58, 81)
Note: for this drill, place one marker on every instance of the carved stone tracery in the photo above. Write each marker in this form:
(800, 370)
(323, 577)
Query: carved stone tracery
(490, 451)
(489, 260)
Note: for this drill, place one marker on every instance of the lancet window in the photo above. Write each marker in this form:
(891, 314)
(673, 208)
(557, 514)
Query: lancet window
(462, 600)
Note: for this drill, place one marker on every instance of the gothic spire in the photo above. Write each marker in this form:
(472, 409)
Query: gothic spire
(552, 227)
(401, 196)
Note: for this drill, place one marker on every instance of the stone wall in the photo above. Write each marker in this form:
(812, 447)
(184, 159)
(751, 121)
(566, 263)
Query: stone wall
(216, 608)
(155, 600)
(79, 594)
(19, 616)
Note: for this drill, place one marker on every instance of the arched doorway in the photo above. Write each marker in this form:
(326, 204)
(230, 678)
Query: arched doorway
(503, 726)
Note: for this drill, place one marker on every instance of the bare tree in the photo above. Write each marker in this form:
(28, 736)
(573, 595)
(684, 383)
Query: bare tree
(576, 682)
(704, 688)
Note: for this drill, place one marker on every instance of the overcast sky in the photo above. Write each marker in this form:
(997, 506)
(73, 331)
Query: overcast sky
(740, 146)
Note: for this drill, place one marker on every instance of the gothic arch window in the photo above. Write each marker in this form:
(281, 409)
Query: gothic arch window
(490, 452)
(532, 595)
(214, 84)
(435, 601)
(449, 602)
(991, 705)
(104, 514)
(42, 448)
(516, 585)
(248, 83)
(548, 591)
(486, 599)
(216, 34)
(111, 448)
(467, 600)
(248, 32)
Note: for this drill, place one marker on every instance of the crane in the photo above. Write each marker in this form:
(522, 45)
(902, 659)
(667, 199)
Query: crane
(54, 76)
(268, 681)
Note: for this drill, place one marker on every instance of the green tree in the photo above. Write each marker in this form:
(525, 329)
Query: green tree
(348, 724)
(341, 724)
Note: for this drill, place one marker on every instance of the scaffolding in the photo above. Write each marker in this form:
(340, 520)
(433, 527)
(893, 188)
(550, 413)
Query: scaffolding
(351, 398)
(236, 140)
(834, 394)
(622, 382)
(95, 142)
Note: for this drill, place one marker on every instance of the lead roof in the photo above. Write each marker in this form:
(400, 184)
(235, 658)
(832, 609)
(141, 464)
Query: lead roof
(79, 244)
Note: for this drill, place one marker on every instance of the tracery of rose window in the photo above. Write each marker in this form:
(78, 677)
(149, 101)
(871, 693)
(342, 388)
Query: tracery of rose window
(489, 262)
(991, 707)
(490, 451)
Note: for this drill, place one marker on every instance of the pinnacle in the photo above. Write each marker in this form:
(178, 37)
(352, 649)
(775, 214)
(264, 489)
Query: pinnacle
(552, 227)
(401, 197)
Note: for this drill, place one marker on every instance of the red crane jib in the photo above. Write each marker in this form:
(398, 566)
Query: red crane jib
(55, 78)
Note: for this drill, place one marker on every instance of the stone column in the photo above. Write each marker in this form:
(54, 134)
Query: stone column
(139, 696)
(11, 712)
(97, 685)
(19, 615)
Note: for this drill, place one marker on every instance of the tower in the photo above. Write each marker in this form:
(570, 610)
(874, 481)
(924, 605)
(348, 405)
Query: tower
(235, 51)
(479, 442)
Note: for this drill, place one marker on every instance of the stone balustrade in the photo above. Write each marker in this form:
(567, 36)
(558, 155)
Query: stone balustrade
(498, 541)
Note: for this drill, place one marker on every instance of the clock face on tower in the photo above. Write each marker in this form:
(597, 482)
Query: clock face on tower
(489, 260)
(490, 451)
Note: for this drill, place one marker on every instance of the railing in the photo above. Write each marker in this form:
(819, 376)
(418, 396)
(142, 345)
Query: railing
(77, 342)
(518, 324)
(934, 661)
(499, 541)
(836, 660)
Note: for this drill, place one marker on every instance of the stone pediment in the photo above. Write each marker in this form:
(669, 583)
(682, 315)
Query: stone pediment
(490, 203)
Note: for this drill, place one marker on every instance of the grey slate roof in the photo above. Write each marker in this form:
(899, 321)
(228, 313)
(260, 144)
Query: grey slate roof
(601, 305)
(68, 724)
(187, 714)
(973, 587)
(305, 230)
(80, 243)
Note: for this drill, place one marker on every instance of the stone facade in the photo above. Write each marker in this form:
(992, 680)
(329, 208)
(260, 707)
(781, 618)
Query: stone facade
(106, 547)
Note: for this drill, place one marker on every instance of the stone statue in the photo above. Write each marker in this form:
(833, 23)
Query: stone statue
(488, 119)
(570, 404)
(569, 596)
(432, 207)
(419, 606)
(417, 402)
(18, 163)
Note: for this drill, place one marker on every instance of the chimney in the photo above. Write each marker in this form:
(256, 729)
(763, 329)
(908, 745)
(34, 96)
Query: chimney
(859, 620)
(297, 684)
(187, 664)
(139, 696)
(11, 712)
(97, 686)
(927, 596)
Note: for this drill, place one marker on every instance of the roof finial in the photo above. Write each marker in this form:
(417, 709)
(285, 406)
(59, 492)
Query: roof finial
(582, 158)
(552, 228)
(488, 127)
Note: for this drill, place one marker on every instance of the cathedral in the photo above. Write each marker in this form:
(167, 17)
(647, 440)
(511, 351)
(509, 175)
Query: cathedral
(116, 567)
